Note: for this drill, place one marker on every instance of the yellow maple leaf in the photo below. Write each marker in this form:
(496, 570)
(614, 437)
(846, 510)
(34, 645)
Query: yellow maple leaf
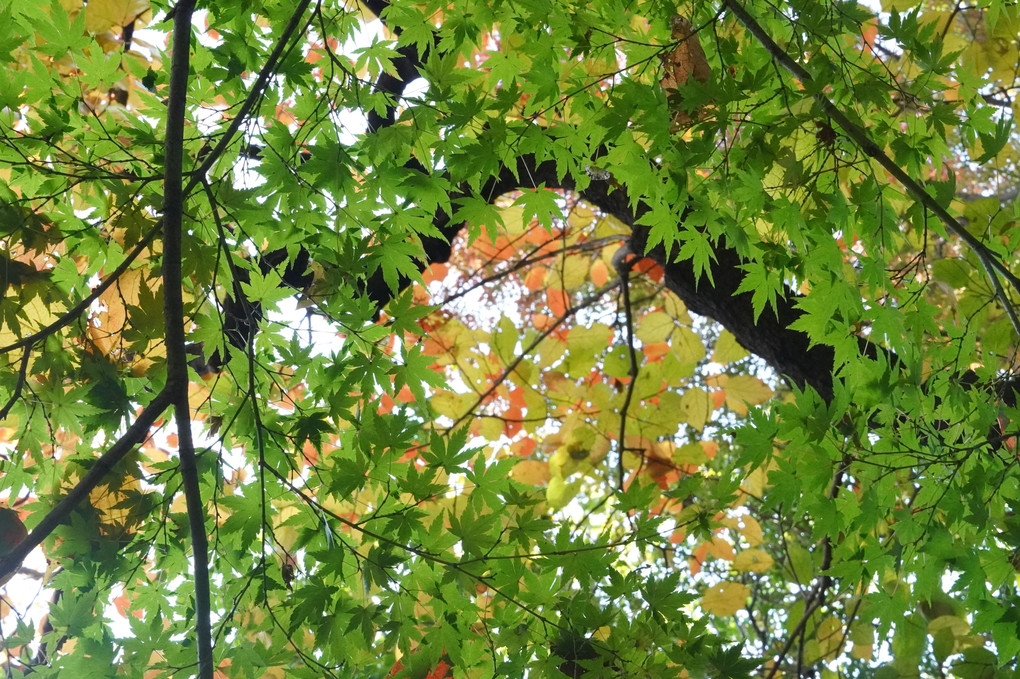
(102, 15)
(724, 599)
(751, 530)
(727, 349)
(655, 327)
(531, 472)
(741, 391)
(696, 407)
(753, 561)
(560, 493)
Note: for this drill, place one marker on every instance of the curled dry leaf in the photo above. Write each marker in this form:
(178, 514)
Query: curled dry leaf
(686, 60)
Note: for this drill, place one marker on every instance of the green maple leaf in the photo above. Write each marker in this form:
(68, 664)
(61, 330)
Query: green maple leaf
(478, 212)
(540, 204)
(397, 259)
(765, 285)
(730, 664)
(313, 427)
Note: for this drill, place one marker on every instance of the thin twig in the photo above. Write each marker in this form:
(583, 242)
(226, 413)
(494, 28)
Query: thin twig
(594, 297)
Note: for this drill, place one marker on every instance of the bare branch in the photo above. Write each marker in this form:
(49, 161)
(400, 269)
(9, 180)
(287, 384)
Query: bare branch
(176, 352)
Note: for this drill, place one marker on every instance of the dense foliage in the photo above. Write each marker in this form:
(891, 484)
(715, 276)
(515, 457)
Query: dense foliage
(427, 339)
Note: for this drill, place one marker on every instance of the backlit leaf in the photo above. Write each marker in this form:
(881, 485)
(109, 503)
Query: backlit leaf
(696, 407)
(727, 350)
(752, 561)
(725, 599)
(654, 327)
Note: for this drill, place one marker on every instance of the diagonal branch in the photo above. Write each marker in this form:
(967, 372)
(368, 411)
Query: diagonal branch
(176, 353)
(135, 434)
(992, 264)
(254, 96)
(81, 307)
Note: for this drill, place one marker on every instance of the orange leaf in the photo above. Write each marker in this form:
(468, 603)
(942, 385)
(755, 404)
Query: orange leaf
(517, 398)
(124, 606)
(649, 267)
(535, 279)
(537, 235)
(557, 300)
(869, 31)
(284, 115)
(599, 273)
(524, 447)
(512, 424)
(541, 321)
(698, 558)
(310, 454)
(435, 272)
(655, 350)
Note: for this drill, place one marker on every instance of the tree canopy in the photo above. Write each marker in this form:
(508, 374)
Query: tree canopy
(535, 339)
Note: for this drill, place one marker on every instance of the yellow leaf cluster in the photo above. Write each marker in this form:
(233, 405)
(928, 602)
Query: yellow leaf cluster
(727, 350)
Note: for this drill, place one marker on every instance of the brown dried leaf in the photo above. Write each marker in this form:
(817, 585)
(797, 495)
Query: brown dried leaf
(687, 60)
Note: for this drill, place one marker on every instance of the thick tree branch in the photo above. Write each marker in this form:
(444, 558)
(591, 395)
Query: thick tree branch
(788, 351)
(770, 338)
(177, 359)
